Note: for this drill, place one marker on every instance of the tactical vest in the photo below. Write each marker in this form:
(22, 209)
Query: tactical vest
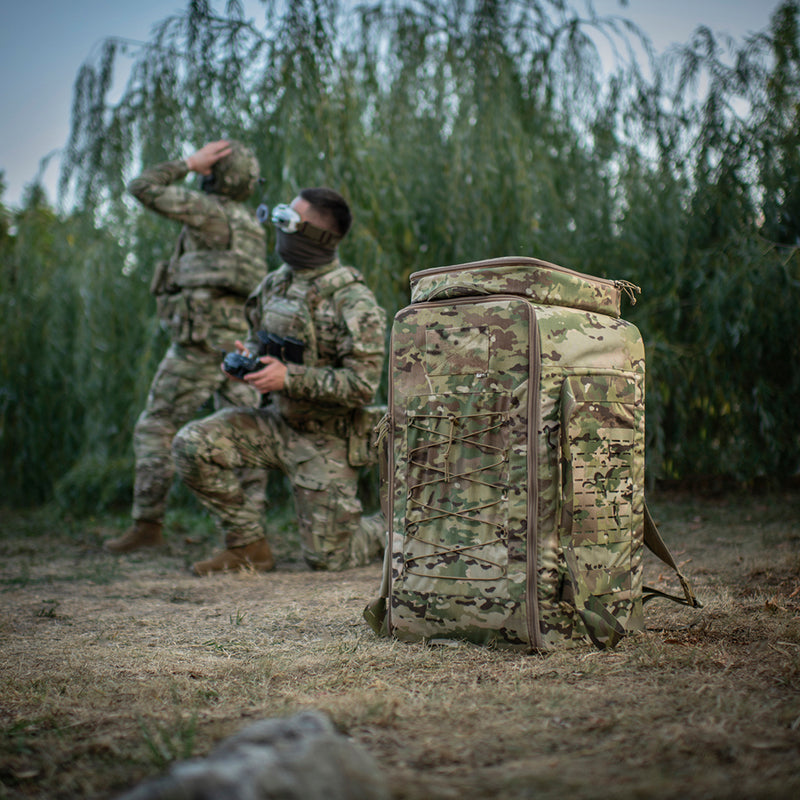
(289, 304)
(200, 292)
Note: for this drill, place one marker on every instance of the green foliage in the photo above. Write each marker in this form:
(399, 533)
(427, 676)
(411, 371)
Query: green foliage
(718, 260)
(95, 484)
(79, 346)
(459, 130)
(168, 743)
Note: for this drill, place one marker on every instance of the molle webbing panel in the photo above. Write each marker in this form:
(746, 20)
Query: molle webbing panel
(590, 476)
(599, 517)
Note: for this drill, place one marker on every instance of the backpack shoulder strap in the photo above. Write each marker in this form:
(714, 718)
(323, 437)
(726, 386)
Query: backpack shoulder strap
(654, 542)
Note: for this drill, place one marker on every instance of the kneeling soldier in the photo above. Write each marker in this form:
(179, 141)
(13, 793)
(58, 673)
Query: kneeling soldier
(303, 427)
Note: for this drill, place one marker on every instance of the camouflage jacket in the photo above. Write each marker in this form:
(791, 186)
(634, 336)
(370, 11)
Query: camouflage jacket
(219, 257)
(343, 329)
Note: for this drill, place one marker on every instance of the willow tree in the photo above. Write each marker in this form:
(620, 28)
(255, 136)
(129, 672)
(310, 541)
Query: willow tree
(424, 114)
(718, 258)
(461, 130)
(62, 389)
(457, 130)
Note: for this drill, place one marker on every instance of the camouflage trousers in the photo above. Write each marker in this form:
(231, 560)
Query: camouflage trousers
(186, 378)
(211, 453)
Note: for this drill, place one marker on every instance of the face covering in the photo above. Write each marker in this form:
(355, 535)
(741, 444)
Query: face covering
(300, 252)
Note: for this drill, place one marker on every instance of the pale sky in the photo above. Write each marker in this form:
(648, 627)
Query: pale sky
(44, 42)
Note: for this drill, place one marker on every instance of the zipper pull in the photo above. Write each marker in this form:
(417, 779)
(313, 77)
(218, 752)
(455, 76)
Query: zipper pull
(630, 289)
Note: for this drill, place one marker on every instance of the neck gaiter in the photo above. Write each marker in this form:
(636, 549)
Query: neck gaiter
(300, 252)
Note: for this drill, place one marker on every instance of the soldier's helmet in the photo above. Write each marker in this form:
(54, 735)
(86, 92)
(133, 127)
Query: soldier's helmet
(236, 174)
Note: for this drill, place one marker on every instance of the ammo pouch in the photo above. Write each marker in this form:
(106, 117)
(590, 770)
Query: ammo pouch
(362, 443)
(168, 296)
(224, 270)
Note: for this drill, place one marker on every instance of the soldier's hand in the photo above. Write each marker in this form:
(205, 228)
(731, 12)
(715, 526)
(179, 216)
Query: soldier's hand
(203, 159)
(270, 379)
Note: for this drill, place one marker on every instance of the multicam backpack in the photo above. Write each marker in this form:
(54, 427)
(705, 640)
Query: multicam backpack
(514, 460)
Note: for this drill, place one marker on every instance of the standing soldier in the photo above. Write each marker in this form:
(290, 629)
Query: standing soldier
(328, 331)
(219, 257)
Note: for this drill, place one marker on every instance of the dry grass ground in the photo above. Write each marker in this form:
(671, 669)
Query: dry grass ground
(111, 668)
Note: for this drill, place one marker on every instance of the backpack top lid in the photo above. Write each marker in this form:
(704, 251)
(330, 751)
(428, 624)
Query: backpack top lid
(537, 281)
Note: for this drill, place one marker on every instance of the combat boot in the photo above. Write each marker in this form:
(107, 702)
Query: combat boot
(143, 533)
(257, 556)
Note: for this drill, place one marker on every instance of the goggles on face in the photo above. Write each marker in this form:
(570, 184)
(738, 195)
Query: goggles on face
(286, 218)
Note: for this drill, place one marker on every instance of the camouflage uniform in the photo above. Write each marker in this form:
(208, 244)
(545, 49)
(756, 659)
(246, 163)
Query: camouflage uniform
(302, 430)
(219, 257)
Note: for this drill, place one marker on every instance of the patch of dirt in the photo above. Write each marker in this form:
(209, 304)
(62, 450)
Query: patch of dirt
(112, 668)
(781, 581)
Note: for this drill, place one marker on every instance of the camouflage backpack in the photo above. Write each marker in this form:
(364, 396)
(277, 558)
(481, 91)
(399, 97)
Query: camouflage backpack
(514, 460)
